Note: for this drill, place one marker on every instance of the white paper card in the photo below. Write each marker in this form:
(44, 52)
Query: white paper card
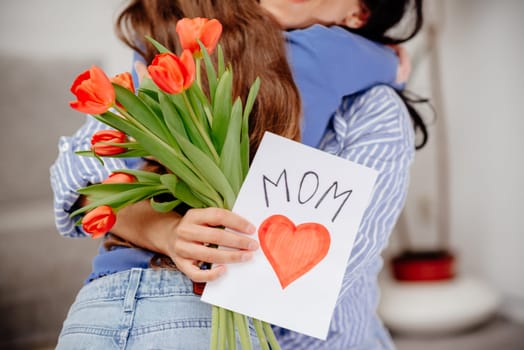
(307, 206)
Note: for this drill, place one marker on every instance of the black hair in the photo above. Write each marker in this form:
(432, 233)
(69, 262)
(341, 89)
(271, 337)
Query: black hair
(383, 16)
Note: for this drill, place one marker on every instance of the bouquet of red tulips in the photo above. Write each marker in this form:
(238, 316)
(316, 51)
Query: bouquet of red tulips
(199, 135)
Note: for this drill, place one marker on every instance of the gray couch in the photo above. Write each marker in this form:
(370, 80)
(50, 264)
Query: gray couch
(40, 272)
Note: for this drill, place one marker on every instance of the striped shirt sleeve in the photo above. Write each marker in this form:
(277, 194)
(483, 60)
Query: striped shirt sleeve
(372, 129)
(70, 172)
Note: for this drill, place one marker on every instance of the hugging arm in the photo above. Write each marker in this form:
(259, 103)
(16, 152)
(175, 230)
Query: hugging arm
(374, 129)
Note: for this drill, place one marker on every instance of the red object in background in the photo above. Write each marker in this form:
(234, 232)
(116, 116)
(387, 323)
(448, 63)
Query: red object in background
(424, 266)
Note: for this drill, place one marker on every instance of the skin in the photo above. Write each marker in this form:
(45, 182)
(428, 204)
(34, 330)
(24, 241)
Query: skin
(184, 238)
(292, 14)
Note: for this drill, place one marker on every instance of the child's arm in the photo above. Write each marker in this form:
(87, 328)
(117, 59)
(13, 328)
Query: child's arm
(329, 63)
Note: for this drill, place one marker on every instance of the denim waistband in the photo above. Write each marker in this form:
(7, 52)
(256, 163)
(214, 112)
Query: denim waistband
(143, 283)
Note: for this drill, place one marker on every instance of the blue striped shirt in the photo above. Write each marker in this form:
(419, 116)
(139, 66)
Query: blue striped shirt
(373, 129)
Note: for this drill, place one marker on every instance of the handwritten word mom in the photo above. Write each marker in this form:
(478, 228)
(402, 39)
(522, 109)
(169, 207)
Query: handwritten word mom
(308, 190)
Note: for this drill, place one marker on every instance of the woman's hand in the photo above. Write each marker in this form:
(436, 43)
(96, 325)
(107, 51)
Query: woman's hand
(404, 64)
(189, 237)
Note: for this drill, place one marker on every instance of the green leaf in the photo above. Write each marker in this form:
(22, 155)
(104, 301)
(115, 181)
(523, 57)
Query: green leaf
(198, 98)
(148, 86)
(142, 176)
(161, 48)
(210, 171)
(251, 97)
(191, 129)
(222, 102)
(103, 190)
(170, 181)
(180, 190)
(151, 103)
(164, 207)
(244, 140)
(90, 154)
(122, 198)
(220, 59)
(210, 69)
(230, 162)
(140, 111)
(172, 118)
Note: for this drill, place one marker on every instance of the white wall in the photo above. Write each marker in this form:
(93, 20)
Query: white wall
(54, 28)
(482, 54)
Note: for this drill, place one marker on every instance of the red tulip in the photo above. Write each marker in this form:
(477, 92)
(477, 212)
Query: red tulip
(119, 178)
(206, 30)
(99, 221)
(101, 138)
(94, 92)
(171, 73)
(124, 79)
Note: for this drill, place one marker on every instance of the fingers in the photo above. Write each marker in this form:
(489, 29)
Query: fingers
(195, 274)
(199, 252)
(404, 67)
(190, 237)
(218, 236)
(220, 217)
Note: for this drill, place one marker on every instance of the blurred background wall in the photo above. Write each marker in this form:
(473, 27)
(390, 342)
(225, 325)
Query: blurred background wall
(45, 44)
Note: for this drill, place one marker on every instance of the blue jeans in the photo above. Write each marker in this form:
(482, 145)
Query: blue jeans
(142, 309)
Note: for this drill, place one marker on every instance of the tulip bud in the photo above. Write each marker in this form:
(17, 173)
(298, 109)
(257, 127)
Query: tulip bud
(125, 80)
(119, 178)
(102, 137)
(99, 221)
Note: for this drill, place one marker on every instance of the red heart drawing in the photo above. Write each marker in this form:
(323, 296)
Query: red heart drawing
(292, 250)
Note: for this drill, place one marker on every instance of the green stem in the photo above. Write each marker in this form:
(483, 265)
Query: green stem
(273, 342)
(204, 135)
(198, 72)
(230, 327)
(261, 335)
(214, 327)
(222, 315)
(243, 331)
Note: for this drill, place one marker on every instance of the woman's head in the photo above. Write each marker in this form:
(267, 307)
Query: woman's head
(387, 14)
(293, 14)
(369, 18)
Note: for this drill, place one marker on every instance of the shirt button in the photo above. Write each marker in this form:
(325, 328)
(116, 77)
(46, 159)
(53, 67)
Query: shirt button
(64, 147)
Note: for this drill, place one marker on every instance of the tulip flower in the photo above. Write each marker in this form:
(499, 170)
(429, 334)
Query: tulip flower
(124, 79)
(119, 178)
(206, 30)
(101, 138)
(99, 221)
(171, 73)
(94, 92)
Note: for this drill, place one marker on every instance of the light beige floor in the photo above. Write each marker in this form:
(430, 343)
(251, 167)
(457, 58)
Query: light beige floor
(499, 334)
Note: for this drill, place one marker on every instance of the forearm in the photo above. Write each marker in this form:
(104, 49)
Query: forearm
(144, 227)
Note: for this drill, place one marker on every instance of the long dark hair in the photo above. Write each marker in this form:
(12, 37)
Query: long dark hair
(385, 15)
